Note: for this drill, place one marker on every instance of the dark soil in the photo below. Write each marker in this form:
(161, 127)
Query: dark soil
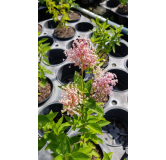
(64, 32)
(106, 58)
(123, 8)
(103, 99)
(44, 92)
(73, 16)
(39, 28)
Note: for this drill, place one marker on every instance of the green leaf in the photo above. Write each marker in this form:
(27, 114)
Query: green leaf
(51, 115)
(106, 157)
(85, 150)
(103, 123)
(45, 45)
(91, 104)
(74, 139)
(79, 156)
(59, 122)
(63, 127)
(83, 130)
(59, 158)
(47, 71)
(43, 82)
(110, 154)
(100, 140)
(93, 120)
(95, 153)
(46, 61)
(41, 143)
(95, 128)
(88, 85)
(42, 118)
(65, 145)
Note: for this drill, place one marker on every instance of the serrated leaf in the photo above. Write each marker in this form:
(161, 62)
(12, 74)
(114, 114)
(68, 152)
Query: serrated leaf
(59, 158)
(79, 156)
(90, 103)
(42, 118)
(85, 150)
(65, 145)
(106, 157)
(51, 116)
(93, 120)
(88, 85)
(46, 61)
(41, 143)
(95, 128)
(74, 140)
(95, 153)
(103, 123)
(110, 154)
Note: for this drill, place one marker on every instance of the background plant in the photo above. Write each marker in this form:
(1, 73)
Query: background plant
(102, 38)
(42, 57)
(124, 2)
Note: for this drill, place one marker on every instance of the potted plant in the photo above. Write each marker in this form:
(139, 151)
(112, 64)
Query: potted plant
(73, 15)
(104, 41)
(62, 31)
(77, 103)
(123, 7)
(45, 85)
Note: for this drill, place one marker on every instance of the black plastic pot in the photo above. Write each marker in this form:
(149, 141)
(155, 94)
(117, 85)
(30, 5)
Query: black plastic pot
(127, 63)
(117, 130)
(87, 1)
(69, 45)
(42, 102)
(113, 3)
(56, 56)
(65, 39)
(120, 51)
(66, 74)
(50, 24)
(83, 26)
(42, 15)
(121, 12)
(122, 77)
(55, 107)
(49, 40)
(72, 21)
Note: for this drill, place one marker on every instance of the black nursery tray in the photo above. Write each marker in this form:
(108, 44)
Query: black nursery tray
(117, 65)
(106, 4)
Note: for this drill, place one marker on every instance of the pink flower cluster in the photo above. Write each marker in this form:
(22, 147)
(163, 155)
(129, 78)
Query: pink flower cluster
(104, 84)
(82, 54)
(71, 100)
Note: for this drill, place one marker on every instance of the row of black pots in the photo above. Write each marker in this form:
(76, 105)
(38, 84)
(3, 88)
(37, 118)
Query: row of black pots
(81, 27)
(120, 51)
(115, 3)
(115, 134)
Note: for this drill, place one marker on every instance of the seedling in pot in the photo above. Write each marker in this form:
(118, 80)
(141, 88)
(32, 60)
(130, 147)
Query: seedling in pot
(104, 41)
(123, 7)
(42, 50)
(61, 8)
